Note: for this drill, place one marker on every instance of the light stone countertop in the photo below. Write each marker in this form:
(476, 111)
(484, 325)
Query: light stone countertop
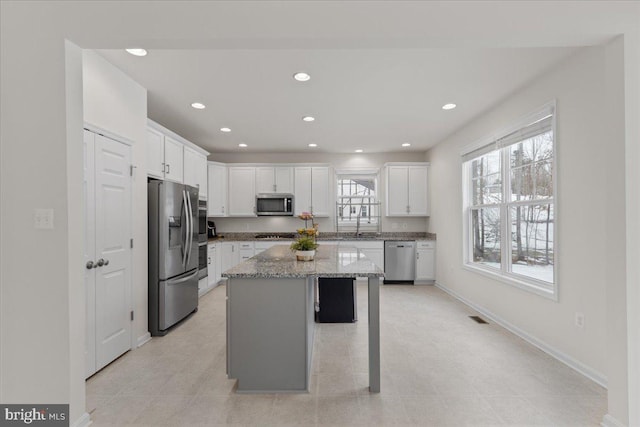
(330, 261)
(367, 236)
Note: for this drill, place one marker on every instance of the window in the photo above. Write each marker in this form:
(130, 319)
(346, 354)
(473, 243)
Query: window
(509, 205)
(357, 199)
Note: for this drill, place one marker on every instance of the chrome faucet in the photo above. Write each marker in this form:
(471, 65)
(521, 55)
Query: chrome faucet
(357, 225)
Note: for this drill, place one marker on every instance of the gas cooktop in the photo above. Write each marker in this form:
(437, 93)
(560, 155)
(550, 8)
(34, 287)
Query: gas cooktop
(275, 236)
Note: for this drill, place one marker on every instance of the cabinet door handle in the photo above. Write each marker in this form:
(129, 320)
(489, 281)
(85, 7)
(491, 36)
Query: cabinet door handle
(168, 169)
(417, 255)
(274, 187)
(89, 265)
(208, 260)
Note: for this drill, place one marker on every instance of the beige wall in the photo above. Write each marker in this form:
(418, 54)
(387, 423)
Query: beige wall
(116, 103)
(337, 161)
(590, 214)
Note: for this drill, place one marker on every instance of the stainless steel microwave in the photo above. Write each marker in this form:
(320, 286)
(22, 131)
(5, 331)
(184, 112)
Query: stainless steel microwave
(274, 204)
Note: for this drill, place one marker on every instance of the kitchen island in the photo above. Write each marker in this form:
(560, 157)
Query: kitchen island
(270, 316)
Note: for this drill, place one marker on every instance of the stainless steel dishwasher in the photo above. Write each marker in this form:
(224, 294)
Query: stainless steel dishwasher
(399, 261)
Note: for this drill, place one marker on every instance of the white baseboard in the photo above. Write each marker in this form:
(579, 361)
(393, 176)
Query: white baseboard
(83, 421)
(588, 372)
(142, 340)
(609, 421)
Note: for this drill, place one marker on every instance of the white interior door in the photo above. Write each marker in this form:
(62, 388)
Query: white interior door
(89, 251)
(112, 249)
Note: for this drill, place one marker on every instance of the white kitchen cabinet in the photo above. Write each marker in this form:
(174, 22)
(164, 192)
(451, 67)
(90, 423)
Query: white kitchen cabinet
(171, 157)
(214, 259)
(203, 286)
(195, 171)
(277, 179)
(242, 191)
(407, 190)
(230, 256)
(312, 190)
(155, 154)
(211, 264)
(173, 160)
(217, 189)
(246, 251)
(425, 262)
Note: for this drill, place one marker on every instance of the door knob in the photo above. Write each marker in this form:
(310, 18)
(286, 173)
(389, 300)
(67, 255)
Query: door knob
(100, 262)
(89, 265)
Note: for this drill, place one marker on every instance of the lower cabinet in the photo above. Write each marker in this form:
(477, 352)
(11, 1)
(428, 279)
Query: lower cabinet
(230, 254)
(213, 269)
(246, 250)
(425, 262)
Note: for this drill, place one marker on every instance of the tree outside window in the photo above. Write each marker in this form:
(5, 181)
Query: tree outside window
(510, 205)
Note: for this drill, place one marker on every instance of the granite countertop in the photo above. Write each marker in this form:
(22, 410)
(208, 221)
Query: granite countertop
(238, 237)
(330, 261)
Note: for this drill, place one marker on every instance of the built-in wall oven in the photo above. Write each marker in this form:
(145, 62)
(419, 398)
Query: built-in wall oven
(202, 239)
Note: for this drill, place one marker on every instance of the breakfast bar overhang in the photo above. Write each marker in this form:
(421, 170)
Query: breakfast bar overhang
(270, 316)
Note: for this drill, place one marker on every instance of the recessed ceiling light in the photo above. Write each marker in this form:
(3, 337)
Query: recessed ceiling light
(359, 150)
(448, 106)
(308, 118)
(137, 52)
(406, 144)
(242, 145)
(225, 130)
(198, 106)
(313, 145)
(302, 76)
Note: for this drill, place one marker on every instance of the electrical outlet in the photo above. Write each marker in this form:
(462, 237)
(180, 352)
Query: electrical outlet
(404, 225)
(43, 219)
(246, 226)
(394, 225)
(580, 320)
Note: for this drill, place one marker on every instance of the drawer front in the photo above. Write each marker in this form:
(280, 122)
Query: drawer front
(246, 245)
(426, 244)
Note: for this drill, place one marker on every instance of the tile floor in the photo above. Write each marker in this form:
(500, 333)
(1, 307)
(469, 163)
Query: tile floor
(439, 368)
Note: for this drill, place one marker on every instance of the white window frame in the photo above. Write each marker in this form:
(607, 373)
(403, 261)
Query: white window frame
(538, 287)
(375, 174)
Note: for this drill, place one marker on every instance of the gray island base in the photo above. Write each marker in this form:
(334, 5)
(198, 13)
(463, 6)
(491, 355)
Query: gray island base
(270, 316)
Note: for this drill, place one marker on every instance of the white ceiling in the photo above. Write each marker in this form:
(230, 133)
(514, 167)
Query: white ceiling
(381, 70)
(374, 99)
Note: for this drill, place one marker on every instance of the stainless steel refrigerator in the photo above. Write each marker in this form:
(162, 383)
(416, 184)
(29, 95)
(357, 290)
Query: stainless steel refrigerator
(173, 254)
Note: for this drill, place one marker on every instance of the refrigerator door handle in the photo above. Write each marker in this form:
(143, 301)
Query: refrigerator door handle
(182, 280)
(185, 252)
(190, 240)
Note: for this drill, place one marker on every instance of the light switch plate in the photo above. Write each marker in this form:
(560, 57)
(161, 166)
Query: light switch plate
(43, 219)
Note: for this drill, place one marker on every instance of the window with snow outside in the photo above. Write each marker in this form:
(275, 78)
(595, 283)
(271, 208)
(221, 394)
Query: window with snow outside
(509, 206)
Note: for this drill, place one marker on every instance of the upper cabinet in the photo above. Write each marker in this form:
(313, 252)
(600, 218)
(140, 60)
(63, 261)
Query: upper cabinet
(407, 189)
(217, 189)
(277, 179)
(171, 157)
(195, 171)
(155, 154)
(173, 160)
(312, 190)
(242, 191)
(164, 156)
